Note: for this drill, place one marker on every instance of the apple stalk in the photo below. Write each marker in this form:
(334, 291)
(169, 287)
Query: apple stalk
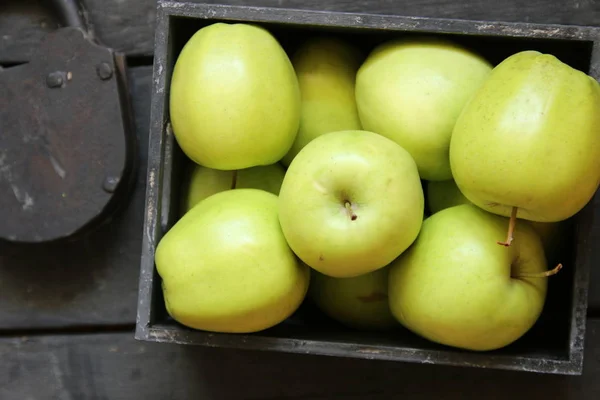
(545, 274)
(349, 210)
(511, 228)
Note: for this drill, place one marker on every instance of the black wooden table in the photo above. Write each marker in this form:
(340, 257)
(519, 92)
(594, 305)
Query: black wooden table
(67, 313)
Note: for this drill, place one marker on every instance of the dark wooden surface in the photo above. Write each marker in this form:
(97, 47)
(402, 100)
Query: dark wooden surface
(114, 366)
(92, 285)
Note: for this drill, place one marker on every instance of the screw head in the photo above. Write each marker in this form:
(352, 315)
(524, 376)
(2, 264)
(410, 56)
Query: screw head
(104, 71)
(55, 79)
(110, 184)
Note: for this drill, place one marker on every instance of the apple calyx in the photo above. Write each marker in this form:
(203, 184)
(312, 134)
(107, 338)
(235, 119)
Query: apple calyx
(511, 228)
(234, 179)
(545, 274)
(349, 210)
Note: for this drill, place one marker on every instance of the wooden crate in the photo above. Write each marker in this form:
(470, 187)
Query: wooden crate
(553, 345)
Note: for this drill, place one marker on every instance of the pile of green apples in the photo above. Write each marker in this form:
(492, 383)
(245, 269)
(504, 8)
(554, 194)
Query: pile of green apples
(414, 186)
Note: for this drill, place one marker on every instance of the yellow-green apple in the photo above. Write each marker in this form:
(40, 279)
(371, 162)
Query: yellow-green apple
(526, 145)
(350, 203)
(456, 287)
(445, 194)
(226, 267)
(326, 70)
(234, 97)
(360, 302)
(202, 182)
(412, 90)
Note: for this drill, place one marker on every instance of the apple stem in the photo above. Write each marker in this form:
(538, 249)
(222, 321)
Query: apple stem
(350, 211)
(511, 228)
(553, 271)
(234, 179)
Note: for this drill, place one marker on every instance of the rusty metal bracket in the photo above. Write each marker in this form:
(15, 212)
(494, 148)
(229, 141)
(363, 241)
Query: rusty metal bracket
(67, 144)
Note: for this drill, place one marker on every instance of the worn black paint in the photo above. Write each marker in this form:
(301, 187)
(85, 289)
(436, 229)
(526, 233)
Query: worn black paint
(61, 136)
(545, 350)
(59, 145)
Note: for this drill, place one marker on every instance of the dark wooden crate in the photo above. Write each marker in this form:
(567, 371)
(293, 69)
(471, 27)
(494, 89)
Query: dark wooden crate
(554, 345)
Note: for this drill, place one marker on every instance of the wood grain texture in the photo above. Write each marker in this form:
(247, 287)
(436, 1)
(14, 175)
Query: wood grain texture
(90, 282)
(125, 25)
(115, 367)
(128, 25)
(22, 26)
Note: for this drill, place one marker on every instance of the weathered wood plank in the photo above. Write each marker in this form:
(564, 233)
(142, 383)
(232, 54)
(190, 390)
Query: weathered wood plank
(128, 25)
(22, 25)
(114, 366)
(83, 283)
(124, 25)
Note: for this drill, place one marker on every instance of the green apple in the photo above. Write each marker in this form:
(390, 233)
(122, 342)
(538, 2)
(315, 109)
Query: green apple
(234, 97)
(203, 182)
(350, 203)
(326, 69)
(457, 287)
(360, 302)
(527, 142)
(443, 194)
(412, 91)
(226, 267)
